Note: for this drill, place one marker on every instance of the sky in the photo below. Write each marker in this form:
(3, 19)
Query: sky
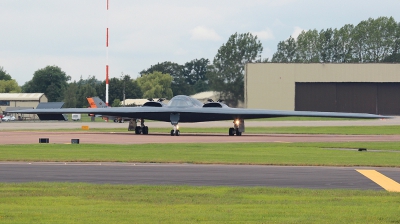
(71, 34)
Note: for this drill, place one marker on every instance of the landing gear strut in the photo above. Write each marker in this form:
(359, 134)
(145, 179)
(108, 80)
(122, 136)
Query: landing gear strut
(174, 117)
(238, 128)
(142, 129)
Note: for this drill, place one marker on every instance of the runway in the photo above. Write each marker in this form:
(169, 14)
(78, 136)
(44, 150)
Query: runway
(19, 135)
(194, 175)
(25, 137)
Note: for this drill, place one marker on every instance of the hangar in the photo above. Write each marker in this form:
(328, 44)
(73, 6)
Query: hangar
(20, 100)
(366, 88)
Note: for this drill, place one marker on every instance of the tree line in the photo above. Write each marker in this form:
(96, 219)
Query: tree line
(371, 41)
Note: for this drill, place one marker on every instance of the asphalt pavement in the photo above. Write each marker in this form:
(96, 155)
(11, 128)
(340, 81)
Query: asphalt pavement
(194, 175)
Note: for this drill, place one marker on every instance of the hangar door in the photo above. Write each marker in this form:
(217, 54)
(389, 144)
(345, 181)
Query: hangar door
(376, 98)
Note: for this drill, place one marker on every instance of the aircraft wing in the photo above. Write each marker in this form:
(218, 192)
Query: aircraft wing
(191, 114)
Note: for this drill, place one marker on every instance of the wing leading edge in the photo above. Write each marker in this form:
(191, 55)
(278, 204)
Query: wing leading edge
(196, 114)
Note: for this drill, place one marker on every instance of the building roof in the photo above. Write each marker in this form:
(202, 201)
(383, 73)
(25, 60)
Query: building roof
(138, 102)
(206, 95)
(21, 96)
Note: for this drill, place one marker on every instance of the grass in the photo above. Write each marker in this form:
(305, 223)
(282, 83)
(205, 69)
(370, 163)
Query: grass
(301, 154)
(89, 203)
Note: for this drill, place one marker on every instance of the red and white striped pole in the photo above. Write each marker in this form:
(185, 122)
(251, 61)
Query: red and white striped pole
(107, 59)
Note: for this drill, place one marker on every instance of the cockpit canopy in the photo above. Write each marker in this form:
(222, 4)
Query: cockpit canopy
(184, 101)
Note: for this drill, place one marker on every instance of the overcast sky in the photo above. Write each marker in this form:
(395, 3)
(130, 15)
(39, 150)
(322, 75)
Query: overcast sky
(71, 34)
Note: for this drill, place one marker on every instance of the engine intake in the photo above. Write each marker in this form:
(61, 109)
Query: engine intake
(213, 104)
(153, 104)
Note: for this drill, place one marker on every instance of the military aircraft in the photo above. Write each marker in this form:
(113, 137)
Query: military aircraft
(96, 102)
(186, 109)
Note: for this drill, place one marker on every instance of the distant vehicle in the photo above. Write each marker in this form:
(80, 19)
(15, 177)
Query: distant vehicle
(8, 118)
(76, 117)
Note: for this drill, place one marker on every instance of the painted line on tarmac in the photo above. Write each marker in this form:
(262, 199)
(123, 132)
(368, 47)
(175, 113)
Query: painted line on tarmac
(382, 180)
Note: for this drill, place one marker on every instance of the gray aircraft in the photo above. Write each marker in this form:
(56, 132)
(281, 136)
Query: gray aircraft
(186, 109)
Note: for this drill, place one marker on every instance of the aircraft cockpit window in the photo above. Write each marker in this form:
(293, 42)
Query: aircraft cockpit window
(184, 101)
(196, 102)
(178, 103)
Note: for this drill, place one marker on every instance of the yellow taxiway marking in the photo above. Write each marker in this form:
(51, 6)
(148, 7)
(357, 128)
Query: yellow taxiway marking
(382, 180)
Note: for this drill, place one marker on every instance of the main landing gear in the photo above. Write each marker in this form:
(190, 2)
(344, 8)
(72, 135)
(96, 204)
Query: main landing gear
(238, 128)
(142, 129)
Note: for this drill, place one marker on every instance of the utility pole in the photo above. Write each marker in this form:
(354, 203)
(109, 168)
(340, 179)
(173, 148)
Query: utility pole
(123, 91)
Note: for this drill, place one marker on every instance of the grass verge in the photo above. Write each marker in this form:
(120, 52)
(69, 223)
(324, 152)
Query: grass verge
(387, 154)
(89, 203)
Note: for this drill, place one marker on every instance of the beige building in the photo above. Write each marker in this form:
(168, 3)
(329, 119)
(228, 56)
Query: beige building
(23, 100)
(324, 87)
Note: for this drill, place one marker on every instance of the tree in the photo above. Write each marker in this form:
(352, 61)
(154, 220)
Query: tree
(70, 95)
(131, 86)
(9, 86)
(116, 103)
(308, 47)
(286, 51)
(325, 45)
(187, 79)
(156, 85)
(4, 75)
(195, 74)
(375, 39)
(227, 72)
(342, 44)
(179, 83)
(51, 81)
(371, 41)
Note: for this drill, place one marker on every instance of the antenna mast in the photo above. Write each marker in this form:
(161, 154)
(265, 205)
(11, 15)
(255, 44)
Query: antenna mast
(107, 68)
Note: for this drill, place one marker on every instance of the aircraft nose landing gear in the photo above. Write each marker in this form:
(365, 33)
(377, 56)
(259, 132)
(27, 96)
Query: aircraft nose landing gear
(174, 117)
(176, 131)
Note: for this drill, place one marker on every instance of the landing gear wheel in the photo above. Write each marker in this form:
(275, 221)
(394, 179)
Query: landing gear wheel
(145, 130)
(231, 131)
(138, 130)
(175, 134)
(238, 133)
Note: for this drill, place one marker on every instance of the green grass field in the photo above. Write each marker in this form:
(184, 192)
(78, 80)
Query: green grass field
(89, 203)
(95, 203)
(302, 154)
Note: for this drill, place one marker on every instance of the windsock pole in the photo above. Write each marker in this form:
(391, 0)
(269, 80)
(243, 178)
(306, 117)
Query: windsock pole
(107, 67)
